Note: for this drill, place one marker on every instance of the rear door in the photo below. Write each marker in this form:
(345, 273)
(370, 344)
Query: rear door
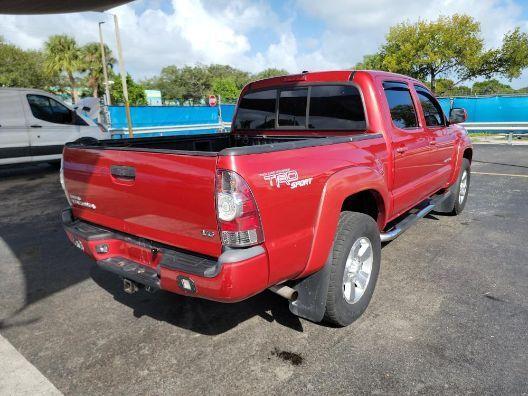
(51, 125)
(411, 146)
(442, 136)
(14, 136)
(165, 197)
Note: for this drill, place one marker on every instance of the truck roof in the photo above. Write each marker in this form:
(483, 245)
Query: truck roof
(324, 76)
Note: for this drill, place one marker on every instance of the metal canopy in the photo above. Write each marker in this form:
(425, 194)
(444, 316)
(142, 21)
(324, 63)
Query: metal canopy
(56, 6)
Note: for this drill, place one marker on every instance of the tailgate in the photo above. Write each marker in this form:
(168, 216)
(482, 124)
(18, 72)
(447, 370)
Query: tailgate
(164, 197)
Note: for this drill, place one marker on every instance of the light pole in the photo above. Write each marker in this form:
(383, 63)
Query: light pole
(123, 77)
(108, 101)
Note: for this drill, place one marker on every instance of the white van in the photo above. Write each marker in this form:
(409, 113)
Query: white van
(35, 125)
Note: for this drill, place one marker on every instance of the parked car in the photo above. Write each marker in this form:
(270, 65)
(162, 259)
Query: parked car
(35, 125)
(319, 170)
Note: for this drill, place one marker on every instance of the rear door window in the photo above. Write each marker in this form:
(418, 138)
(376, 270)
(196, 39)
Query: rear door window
(292, 107)
(334, 107)
(256, 110)
(401, 105)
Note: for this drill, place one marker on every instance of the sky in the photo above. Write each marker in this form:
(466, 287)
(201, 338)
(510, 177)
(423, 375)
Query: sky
(253, 35)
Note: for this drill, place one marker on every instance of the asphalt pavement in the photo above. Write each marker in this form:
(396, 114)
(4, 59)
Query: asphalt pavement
(449, 314)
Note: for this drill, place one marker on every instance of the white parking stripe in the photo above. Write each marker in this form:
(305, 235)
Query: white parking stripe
(19, 377)
(497, 174)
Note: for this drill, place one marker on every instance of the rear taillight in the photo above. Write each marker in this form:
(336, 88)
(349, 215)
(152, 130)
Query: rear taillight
(237, 211)
(62, 182)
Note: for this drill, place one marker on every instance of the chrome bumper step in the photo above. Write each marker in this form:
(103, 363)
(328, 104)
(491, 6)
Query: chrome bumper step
(403, 225)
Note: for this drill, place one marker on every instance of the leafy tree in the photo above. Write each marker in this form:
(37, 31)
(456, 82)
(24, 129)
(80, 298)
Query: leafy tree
(226, 87)
(491, 87)
(92, 65)
(63, 55)
(449, 46)
(447, 87)
(136, 92)
(370, 62)
(19, 68)
(239, 77)
(189, 82)
(270, 72)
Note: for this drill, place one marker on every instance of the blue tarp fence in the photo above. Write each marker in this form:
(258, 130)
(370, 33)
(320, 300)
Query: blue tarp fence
(149, 116)
(480, 109)
(490, 108)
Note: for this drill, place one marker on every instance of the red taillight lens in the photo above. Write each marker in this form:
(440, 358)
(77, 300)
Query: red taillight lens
(237, 211)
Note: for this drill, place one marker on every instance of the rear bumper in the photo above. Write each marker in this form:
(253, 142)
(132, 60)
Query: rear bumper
(234, 276)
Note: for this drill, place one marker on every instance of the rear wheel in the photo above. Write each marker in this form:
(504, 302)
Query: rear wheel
(355, 265)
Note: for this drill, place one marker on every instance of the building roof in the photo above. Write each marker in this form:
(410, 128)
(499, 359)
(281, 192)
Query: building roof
(56, 6)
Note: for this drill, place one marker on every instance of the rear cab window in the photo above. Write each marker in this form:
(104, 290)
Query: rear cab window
(401, 105)
(322, 107)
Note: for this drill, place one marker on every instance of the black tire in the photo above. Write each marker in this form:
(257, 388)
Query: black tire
(458, 206)
(55, 164)
(352, 228)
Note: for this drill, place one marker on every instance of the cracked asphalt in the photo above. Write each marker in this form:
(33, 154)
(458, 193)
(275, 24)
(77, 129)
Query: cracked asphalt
(449, 314)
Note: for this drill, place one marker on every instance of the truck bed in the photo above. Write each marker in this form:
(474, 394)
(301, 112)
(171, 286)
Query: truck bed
(217, 144)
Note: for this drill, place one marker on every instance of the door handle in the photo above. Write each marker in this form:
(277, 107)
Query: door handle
(36, 126)
(123, 172)
(401, 150)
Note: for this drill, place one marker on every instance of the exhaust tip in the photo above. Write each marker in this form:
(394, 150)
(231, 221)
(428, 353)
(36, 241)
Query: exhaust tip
(130, 287)
(285, 291)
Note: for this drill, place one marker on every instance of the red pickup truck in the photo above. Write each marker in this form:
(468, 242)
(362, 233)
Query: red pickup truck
(318, 171)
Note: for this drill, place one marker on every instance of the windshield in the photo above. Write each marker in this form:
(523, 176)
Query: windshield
(318, 107)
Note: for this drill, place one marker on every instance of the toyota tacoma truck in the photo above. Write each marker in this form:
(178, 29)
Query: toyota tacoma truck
(318, 171)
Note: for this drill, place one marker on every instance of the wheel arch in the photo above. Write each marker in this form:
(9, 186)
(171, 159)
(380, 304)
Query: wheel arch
(468, 154)
(369, 202)
(360, 189)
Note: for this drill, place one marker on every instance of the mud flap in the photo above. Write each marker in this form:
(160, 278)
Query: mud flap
(447, 205)
(312, 291)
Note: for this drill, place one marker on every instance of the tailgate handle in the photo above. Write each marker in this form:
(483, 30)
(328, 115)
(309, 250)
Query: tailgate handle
(123, 172)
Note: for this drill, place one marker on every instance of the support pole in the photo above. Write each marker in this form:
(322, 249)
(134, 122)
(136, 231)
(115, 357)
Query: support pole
(123, 77)
(108, 101)
(220, 114)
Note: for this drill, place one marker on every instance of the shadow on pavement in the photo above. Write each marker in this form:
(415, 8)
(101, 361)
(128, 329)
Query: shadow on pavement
(31, 231)
(196, 314)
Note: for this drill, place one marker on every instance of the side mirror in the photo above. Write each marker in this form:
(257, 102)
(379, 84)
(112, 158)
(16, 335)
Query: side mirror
(457, 115)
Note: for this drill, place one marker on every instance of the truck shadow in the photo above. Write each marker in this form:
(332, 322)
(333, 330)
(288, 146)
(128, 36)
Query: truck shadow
(36, 256)
(195, 314)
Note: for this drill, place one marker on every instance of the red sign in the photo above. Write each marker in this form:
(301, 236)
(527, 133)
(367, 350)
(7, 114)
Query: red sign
(212, 100)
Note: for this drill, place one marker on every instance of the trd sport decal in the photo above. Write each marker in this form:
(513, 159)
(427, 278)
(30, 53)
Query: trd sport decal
(288, 177)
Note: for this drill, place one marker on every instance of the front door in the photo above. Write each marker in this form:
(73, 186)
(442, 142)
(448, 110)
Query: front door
(51, 125)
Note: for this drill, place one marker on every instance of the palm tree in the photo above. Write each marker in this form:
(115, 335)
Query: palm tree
(92, 63)
(62, 55)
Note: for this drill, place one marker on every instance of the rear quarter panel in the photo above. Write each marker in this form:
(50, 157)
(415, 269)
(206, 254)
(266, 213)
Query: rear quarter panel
(291, 217)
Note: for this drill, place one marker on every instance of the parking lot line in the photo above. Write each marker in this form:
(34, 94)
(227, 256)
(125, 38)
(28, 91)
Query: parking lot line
(497, 174)
(20, 377)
